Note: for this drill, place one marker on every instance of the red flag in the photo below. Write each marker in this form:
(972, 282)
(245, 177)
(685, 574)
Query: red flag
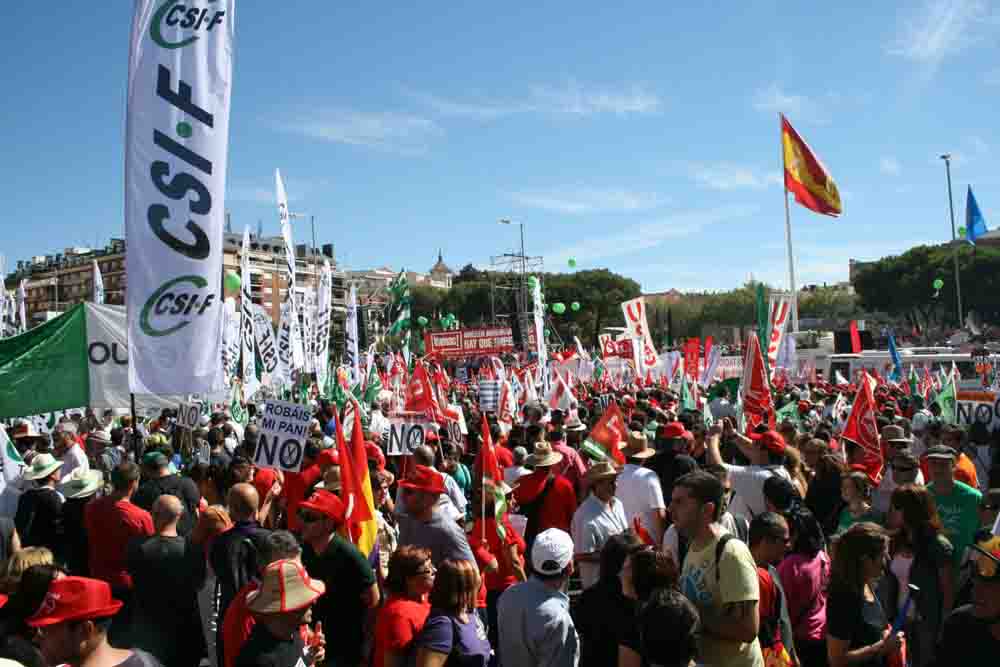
(691, 349)
(862, 428)
(708, 351)
(855, 338)
(486, 457)
(607, 433)
(642, 533)
(757, 402)
(420, 395)
(350, 491)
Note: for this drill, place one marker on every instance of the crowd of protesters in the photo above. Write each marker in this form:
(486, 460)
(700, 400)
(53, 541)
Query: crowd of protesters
(692, 540)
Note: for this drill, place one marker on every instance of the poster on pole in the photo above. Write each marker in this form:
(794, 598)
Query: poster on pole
(189, 414)
(284, 429)
(405, 434)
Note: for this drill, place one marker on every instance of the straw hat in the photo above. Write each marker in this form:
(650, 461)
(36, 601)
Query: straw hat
(543, 456)
(638, 447)
(81, 483)
(285, 587)
(600, 471)
(573, 423)
(42, 466)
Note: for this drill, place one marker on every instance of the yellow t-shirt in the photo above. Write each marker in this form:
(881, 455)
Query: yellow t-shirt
(737, 582)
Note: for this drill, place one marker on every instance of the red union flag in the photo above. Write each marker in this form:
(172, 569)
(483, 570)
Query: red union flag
(781, 307)
(757, 403)
(602, 442)
(638, 329)
(862, 428)
(608, 347)
(692, 348)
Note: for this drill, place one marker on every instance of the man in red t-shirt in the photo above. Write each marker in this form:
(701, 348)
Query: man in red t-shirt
(111, 523)
(545, 497)
(298, 486)
(238, 622)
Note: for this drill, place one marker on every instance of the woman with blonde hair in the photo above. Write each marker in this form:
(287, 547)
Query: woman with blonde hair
(454, 631)
(20, 561)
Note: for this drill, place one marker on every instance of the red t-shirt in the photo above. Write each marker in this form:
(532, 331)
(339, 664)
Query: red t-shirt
(503, 578)
(768, 604)
(560, 503)
(111, 524)
(396, 624)
(296, 485)
(263, 480)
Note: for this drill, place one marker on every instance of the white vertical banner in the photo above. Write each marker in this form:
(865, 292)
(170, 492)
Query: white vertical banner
(351, 336)
(543, 355)
(22, 313)
(176, 149)
(324, 311)
(779, 312)
(267, 347)
(289, 332)
(248, 359)
(98, 285)
(230, 341)
(307, 312)
(711, 365)
(635, 320)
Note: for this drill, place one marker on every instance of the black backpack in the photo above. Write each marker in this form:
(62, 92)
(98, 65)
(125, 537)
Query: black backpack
(720, 546)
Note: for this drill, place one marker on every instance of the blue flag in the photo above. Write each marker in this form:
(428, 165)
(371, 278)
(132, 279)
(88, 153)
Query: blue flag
(975, 225)
(897, 372)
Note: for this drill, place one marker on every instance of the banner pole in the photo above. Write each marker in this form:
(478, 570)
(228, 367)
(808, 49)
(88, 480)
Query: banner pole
(788, 235)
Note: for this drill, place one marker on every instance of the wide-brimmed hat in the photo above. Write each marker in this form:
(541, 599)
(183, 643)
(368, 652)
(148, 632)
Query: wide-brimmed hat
(424, 479)
(100, 435)
(42, 466)
(285, 587)
(573, 423)
(81, 483)
(544, 456)
(601, 470)
(24, 429)
(895, 434)
(637, 447)
(941, 452)
(75, 599)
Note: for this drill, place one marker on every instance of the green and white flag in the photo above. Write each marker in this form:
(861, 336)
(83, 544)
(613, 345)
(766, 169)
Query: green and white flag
(790, 412)
(374, 384)
(77, 359)
(399, 288)
(946, 399)
(11, 463)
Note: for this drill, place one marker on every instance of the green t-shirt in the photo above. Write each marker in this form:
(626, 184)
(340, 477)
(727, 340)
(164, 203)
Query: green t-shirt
(847, 519)
(959, 511)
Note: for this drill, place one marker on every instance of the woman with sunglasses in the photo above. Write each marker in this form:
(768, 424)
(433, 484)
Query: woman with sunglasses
(410, 580)
(921, 555)
(453, 634)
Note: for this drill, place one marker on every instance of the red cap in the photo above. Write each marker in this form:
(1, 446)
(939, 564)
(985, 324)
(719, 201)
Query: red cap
(75, 599)
(431, 435)
(374, 453)
(772, 441)
(425, 479)
(328, 457)
(629, 402)
(804, 406)
(326, 503)
(263, 480)
(672, 430)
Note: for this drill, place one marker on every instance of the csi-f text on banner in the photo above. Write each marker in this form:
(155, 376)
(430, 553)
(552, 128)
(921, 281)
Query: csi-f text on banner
(284, 429)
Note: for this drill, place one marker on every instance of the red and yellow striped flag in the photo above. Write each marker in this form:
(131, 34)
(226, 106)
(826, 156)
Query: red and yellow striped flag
(805, 175)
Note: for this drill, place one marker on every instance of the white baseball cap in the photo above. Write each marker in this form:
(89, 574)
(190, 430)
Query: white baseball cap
(551, 552)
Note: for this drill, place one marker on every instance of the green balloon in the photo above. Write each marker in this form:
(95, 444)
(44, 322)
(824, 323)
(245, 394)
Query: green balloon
(559, 308)
(938, 283)
(422, 321)
(232, 281)
(532, 281)
(575, 306)
(572, 263)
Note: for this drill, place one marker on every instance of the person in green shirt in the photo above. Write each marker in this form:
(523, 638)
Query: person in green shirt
(957, 503)
(856, 490)
(451, 464)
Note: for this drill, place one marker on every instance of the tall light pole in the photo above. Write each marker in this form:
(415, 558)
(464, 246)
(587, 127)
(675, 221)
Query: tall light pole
(954, 250)
(524, 296)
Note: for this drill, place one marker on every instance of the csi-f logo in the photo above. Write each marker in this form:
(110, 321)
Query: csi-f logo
(176, 299)
(176, 17)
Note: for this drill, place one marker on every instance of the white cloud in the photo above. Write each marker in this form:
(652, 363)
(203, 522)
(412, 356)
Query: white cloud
(939, 29)
(384, 130)
(646, 235)
(571, 98)
(775, 99)
(579, 201)
(730, 176)
(889, 166)
(255, 193)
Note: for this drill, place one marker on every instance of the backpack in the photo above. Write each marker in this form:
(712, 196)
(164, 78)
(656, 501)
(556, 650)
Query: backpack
(720, 546)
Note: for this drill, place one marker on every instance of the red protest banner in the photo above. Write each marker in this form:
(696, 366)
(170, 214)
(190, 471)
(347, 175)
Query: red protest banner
(483, 341)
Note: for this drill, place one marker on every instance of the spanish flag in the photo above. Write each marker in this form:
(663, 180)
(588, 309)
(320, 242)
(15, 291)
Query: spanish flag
(805, 175)
(356, 489)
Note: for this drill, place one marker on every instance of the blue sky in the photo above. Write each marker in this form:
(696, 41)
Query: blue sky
(641, 137)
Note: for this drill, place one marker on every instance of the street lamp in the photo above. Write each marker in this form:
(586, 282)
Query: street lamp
(954, 250)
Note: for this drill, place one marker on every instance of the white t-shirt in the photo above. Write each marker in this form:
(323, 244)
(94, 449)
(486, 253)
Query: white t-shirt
(883, 494)
(641, 495)
(593, 523)
(748, 488)
(73, 459)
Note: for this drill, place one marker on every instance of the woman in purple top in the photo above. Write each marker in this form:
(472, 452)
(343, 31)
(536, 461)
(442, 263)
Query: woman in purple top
(453, 635)
(804, 573)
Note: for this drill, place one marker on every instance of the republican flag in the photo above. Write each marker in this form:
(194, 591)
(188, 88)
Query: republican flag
(975, 223)
(805, 175)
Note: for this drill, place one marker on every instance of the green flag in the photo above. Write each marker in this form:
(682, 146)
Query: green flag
(374, 385)
(730, 386)
(946, 400)
(763, 333)
(687, 398)
(789, 412)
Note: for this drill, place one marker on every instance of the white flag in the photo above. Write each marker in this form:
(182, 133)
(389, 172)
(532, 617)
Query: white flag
(230, 340)
(351, 336)
(22, 315)
(249, 362)
(176, 149)
(324, 310)
(290, 353)
(267, 348)
(543, 355)
(98, 284)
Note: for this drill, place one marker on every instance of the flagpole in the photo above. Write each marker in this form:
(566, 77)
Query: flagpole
(788, 234)
(951, 207)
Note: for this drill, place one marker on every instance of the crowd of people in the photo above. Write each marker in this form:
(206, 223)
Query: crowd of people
(692, 541)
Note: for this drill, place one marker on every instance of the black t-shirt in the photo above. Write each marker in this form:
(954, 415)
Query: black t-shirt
(600, 631)
(850, 617)
(347, 574)
(966, 640)
(39, 519)
(175, 485)
(262, 649)
(139, 659)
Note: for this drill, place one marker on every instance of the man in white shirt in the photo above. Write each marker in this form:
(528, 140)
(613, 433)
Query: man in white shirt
(897, 445)
(598, 518)
(639, 489)
(766, 452)
(67, 449)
